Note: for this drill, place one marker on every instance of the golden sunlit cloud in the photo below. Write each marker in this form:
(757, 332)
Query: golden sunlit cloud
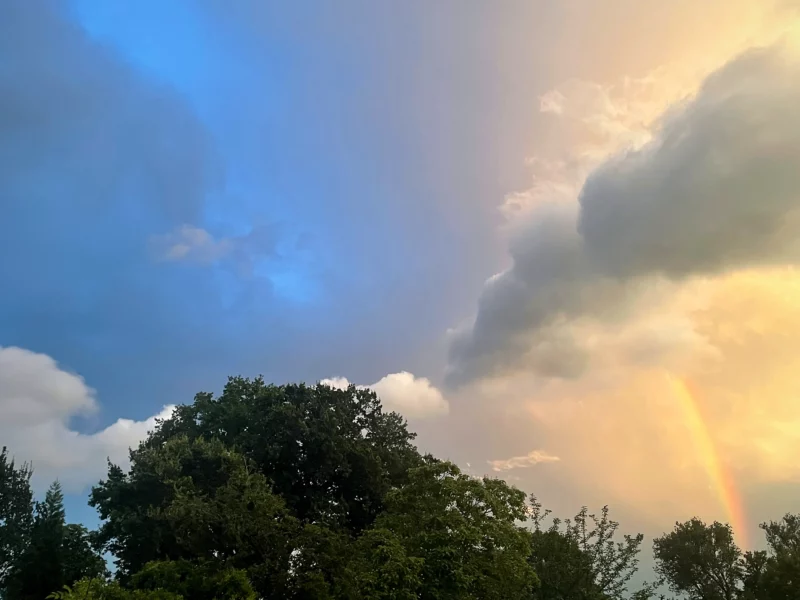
(657, 354)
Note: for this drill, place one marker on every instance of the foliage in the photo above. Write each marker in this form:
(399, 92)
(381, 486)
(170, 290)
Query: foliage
(382, 568)
(310, 493)
(196, 501)
(55, 555)
(331, 454)
(779, 575)
(16, 512)
(564, 569)
(590, 563)
(198, 581)
(700, 561)
(99, 589)
(465, 532)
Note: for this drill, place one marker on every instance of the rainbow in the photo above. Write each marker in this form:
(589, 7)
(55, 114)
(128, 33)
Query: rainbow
(721, 479)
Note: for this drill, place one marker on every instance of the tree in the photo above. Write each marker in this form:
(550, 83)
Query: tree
(381, 568)
(462, 530)
(79, 558)
(39, 569)
(200, 503)
(779, 573)
(198, 581)
(754, 565)
(16, 513)
(584, 560)
(99, 589)
(565, 571)
(331, 454)
(699, 560)
(56, 554)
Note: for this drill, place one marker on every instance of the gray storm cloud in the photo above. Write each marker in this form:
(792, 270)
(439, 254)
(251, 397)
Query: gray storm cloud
(717, 189)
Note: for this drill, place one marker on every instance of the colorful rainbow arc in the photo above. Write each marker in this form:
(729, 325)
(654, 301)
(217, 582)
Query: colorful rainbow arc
(721, 479)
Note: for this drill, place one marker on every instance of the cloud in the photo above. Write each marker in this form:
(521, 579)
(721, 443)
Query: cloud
(95, 156)
(196, 245)
(38, 399)
(714, 190)
(413, 397)
(533, 458)
(190, 243)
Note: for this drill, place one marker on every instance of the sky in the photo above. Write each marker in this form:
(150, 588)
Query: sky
(560, 238)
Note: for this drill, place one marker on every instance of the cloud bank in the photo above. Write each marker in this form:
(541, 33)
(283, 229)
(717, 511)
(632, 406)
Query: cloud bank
(715, 190)
(38, 400)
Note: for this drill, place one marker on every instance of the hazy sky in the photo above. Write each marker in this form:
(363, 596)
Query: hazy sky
(560, 237)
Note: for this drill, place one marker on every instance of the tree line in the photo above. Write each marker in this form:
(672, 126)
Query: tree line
(315, 493)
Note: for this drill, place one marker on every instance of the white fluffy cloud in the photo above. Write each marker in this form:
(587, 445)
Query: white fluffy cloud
(37, 401)
(413, 397)
(714, 190)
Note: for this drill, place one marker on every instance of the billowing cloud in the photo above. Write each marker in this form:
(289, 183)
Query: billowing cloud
(413, 397)
(533, 458)
(714, 190)
(38, 399)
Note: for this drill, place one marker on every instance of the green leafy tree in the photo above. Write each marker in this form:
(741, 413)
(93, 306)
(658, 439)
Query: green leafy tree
(16, 513)
(199, 502)
(700, 561)
(100, 589)
(583, 559)
(754, 565)
(779, 575)
(198, 581)
(463, 530)
(382, 569)
(39, 570)
(79, 559)
(565, 571)
(56, 554)
(331, 454)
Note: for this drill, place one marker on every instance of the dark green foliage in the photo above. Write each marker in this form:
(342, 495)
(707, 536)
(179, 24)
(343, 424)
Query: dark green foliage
(583, 560)
(197, 501)
(564, 569)
(55, 555)
(700, 561)
(331, 454)
(779, 573)
(198, 581)
(16, 513)
(79, 559)
(99, 589)
(381, 568)
(465, 532)
(311, 493)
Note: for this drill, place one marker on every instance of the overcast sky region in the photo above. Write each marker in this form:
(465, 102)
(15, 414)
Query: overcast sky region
(561, 238)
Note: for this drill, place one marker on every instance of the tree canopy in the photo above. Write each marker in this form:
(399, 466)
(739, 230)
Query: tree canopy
(310, 492)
